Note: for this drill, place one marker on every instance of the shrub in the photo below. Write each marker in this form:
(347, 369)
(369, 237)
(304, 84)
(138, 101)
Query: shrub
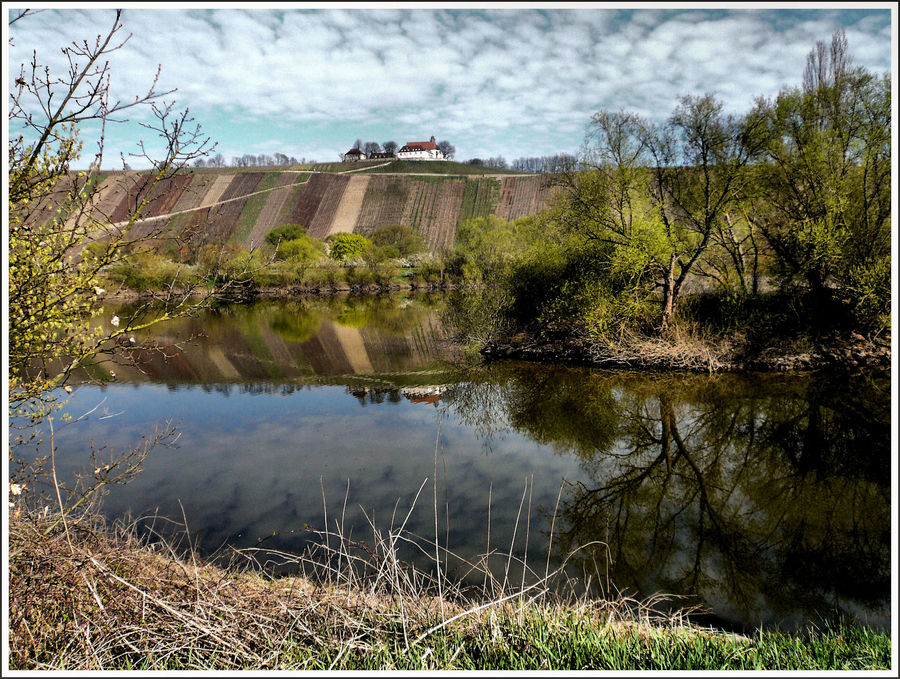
(397, 241)
(301, 250)
(285, 232)
(869, 290)
(149, 271)
(360, 276)
(327, 273)
(347, 245)
(584, 287)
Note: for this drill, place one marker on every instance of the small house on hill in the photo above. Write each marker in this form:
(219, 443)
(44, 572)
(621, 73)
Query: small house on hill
(353, 155)
(381, 156)
(420, 150)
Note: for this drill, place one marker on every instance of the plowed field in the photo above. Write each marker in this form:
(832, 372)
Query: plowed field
(324, 203)
(157, 197)
(217, 224)
(522, 196)
(433, 210)
(309, 199)
(216, 189)
(479, 198)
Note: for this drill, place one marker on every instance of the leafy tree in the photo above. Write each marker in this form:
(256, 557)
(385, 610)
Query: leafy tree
(659, 193)
(285, 232)
(347, 245)
(826, 185)
(397, 240)
(301, 250)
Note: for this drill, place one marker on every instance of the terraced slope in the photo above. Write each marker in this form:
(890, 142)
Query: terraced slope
(242, 207)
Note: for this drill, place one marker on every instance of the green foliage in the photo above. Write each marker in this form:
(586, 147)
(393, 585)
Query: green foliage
(825, 195)
(326, 274)
(347, 245)
(300, 250)
(486, 246)
(868, 287)
(581, 290)
(57, 244)
(285, 232)
(149, 271)
(396, 241)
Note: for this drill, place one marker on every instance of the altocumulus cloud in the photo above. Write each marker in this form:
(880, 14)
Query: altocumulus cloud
(511, 82)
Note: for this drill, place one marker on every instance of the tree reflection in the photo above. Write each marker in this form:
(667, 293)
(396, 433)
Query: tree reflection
(762, 498)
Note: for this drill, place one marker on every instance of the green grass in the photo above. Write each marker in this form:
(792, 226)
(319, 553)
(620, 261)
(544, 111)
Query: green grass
(541, 644)
(156, 610)
(437, 167)
(576, 644)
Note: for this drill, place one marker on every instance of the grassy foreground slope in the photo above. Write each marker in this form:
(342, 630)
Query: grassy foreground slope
(83, 598)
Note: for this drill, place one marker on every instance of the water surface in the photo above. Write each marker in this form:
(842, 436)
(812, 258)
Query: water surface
(763, 498)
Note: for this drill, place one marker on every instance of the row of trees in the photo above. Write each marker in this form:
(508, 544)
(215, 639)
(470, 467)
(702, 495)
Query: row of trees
(498, 162)
(560, 162)
(251, 160)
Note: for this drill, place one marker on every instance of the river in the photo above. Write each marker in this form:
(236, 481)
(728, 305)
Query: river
(763, 499)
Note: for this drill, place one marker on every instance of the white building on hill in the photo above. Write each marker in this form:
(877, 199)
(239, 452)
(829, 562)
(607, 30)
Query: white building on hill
(420, 150)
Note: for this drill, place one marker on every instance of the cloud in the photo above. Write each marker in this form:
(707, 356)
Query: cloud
(485, 77)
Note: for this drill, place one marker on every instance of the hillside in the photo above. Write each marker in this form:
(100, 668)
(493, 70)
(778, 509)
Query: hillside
(219, 206)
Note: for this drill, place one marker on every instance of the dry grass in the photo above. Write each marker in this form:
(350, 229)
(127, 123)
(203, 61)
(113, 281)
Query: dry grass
(113, 601)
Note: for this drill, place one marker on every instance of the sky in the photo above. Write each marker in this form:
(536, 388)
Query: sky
(498, 82)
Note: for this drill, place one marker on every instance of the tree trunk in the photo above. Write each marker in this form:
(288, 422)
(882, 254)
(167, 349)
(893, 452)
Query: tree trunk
(669, 293)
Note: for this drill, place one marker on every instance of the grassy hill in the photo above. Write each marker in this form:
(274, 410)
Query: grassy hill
(404, 167)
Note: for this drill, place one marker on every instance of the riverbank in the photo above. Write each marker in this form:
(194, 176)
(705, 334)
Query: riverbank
(84, 597)
(848, 351)
(244, 293)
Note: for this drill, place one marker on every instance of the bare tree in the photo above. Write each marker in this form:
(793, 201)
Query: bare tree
(447, 149)
(371, 147)
(390, 147)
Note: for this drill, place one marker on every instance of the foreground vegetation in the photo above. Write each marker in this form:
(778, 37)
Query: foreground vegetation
(84, 597)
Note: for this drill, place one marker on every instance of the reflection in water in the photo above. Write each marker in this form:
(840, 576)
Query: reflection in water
(287, 340)
(764, 498)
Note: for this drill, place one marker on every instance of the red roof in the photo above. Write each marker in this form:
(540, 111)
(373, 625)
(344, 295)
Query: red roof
(427, 145)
